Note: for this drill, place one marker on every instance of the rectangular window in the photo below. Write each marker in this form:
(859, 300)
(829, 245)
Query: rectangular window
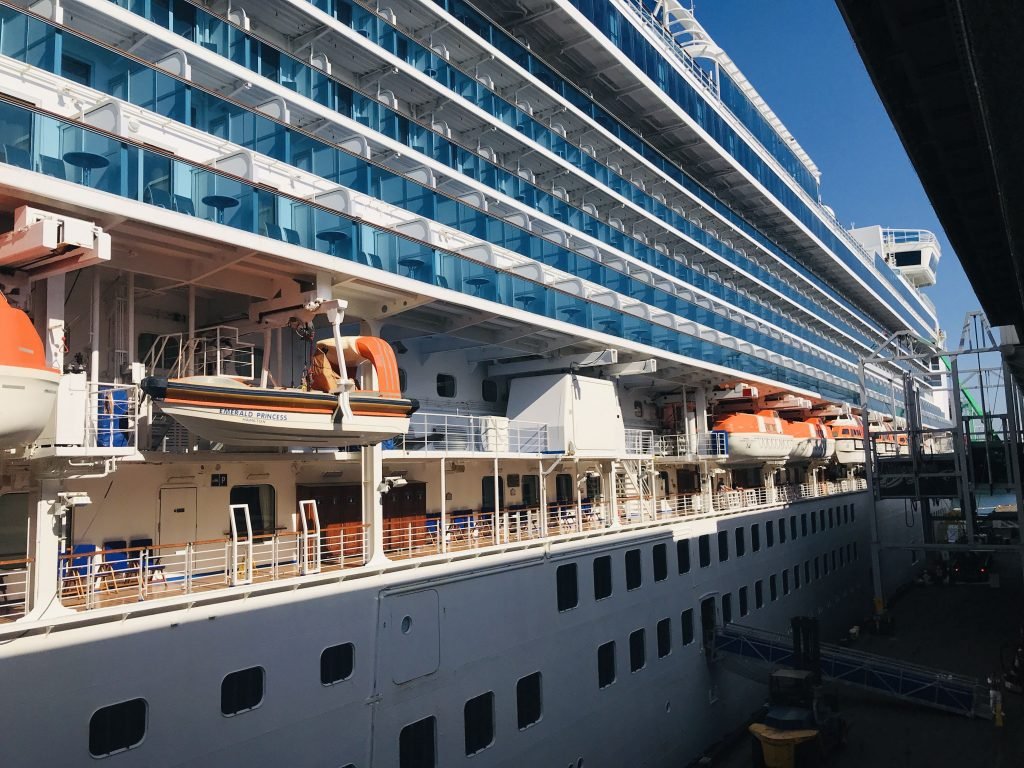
(855, 550)
(487, 493)
(814, 523)
(758, 593)
(664, 638)
(821, 520)
(566, 587)
(833, 560)
(336, 664)
(606, 664)
(683, 555)
(796, 576)
(687, 626)
(803, 524)
(830, 517)
(853, 513)
(478, 718)
(723, 546)
(637, 650)
(118, 727)
(602, 577)
(446, 385)
(807, 571)
(755, 538)
(727, 608)
(769, 533)
(417, 744)
(792, 526)
(741, 543)
(773, 587)
(782, 530)
(241, 691)
(660, 555)
(743, 602)
(841, 563)
(634, 574)
(824, 564)
(704, 550)
(528, 700)
(785, 581)
(262, 503)
(817, 569)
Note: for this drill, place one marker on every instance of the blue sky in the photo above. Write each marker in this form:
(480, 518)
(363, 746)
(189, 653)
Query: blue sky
(801, 59)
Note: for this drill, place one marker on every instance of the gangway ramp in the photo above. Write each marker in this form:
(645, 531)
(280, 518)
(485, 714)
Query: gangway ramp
(901, 680)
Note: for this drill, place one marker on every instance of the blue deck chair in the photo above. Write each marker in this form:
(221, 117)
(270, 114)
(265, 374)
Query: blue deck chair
(53, 166)
(158, 197)
(117, 563)
(17, 156)
(291, 236)
(77, 568)
(145, 563)
(274, 231)
(184, 204)
(432, 524)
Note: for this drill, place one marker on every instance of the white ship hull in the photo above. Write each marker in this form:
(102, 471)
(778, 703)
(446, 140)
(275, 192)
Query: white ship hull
(27, 400)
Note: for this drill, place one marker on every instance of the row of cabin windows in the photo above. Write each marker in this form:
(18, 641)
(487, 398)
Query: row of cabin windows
(122, 726)
(447, 386)
(637, 644)
(839, 516)
(837, 557)
(567, 582)
(417, 742)
(529, 490)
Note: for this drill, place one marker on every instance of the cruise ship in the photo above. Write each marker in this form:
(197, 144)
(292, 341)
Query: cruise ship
(420, 384)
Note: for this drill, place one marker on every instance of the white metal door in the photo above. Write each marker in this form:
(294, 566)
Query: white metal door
(178, 515)
(241, 544)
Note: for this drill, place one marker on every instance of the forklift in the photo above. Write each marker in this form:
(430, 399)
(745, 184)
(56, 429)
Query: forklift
(800, 727)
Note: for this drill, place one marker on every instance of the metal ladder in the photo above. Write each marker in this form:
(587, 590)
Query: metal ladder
(913, 683)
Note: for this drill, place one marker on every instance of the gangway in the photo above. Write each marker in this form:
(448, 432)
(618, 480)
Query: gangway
(901, 680)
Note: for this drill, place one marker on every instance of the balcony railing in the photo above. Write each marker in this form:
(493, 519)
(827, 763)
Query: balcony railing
(15, 577)
(452, 433)
(92, 420)
(91, 578)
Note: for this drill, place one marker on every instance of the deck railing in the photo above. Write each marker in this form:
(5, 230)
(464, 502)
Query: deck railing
(454, 433)
(100, 578)
(15, 577)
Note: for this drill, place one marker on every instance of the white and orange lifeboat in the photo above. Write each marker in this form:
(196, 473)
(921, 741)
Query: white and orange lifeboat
(848, 433)
(813, 440)
(330, 412)
(755, 438)
(28, 388)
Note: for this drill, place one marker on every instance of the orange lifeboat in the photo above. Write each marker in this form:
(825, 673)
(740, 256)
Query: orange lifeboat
(849, 439)
(812, 440)
(755, 438)
(28, 388)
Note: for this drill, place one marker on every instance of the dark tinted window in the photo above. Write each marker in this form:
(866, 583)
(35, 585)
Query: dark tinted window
(417, 746)
(704, 550)
(769, 533)
(758, 593)
(528, 700)
(117, 727)
(803, 524)
(606, 665)
(634, 574)
(755, 538)
(723, 546)
(773, 587)
(796, 576)
(687, 626)
(445, 385)
(744, 609)
(637, 651)
(683, 555)
(336, 663)
(565, 583)
(664, 638)
(726, 608)
(785, 582)
(782, 530)
(489, 390)
(478, 717)
(741, 543)
(241, 691)
(807, 570)
(792, 526)
(814, 523)
(602, 577)
(660, 554)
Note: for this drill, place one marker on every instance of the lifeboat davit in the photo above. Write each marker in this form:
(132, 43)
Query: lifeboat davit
(227, 410)
(813, 440)
(28, 388)
(755, 438)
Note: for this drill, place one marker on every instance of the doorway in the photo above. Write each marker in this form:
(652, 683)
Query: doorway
(178, 515)
(707, 623)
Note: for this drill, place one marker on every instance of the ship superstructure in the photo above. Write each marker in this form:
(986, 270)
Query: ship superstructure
(403, 358)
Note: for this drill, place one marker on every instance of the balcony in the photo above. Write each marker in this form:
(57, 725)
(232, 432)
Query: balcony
(91, 420)
(442, 434)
